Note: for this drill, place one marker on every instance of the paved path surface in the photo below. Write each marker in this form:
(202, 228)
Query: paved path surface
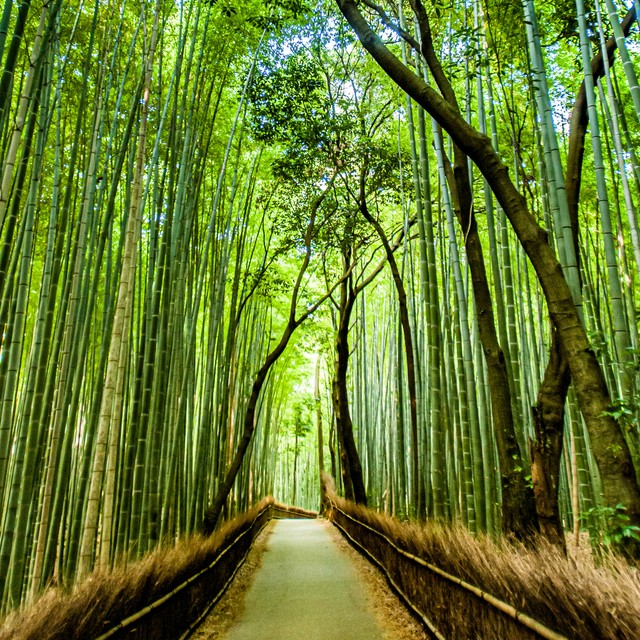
(306, 589)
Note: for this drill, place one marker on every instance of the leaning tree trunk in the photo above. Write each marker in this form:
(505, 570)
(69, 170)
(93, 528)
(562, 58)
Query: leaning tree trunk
(518, 508)
(548, 414)
(353, 479)
(609, 446)
(418, 492)
(318, 407)
(213, 512)
(579, 124)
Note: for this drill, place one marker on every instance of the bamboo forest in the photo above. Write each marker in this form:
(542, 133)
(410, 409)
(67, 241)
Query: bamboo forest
(242, 243)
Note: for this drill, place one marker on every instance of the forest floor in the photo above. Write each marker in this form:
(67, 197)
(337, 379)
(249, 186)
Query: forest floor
(303, 580)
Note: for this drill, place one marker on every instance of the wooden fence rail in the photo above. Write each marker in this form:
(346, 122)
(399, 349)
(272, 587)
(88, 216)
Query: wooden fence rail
(448, 606)
(178, 613)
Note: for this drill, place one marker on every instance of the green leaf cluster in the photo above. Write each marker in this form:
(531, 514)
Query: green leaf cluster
(611, 528)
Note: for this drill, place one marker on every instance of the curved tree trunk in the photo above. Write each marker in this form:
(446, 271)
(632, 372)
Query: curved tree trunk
(213, 512)
(418, 491)
(609, 446)
(351, 465)
(548, 414)
(578, 128)
(518, 508)
(318, 407)
(518, 504)
(352, 476)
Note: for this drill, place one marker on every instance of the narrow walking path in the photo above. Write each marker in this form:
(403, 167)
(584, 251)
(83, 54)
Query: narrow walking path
(306, 588)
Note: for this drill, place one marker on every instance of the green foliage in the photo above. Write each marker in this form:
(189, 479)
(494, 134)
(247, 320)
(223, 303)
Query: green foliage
(287, 103)
(293, 8)
(217, 227)
(623, 411)
(610, 528)
(301, 424)
(563, 22)
(626, 412)
(271, 15)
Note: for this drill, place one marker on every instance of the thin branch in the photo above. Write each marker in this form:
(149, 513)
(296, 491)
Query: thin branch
(396, 28)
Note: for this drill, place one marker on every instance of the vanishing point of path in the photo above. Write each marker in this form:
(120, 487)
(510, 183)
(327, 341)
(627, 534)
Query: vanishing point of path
(306, 588)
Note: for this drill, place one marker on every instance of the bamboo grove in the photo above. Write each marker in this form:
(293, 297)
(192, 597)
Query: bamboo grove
(238, 246)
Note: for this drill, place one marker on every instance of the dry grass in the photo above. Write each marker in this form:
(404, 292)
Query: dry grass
(232, 604)
(393, 617)
(579, 600)
(104, 598)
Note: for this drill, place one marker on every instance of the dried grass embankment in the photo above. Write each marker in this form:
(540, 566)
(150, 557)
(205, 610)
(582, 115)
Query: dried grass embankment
(100, 602)
(580, 601)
